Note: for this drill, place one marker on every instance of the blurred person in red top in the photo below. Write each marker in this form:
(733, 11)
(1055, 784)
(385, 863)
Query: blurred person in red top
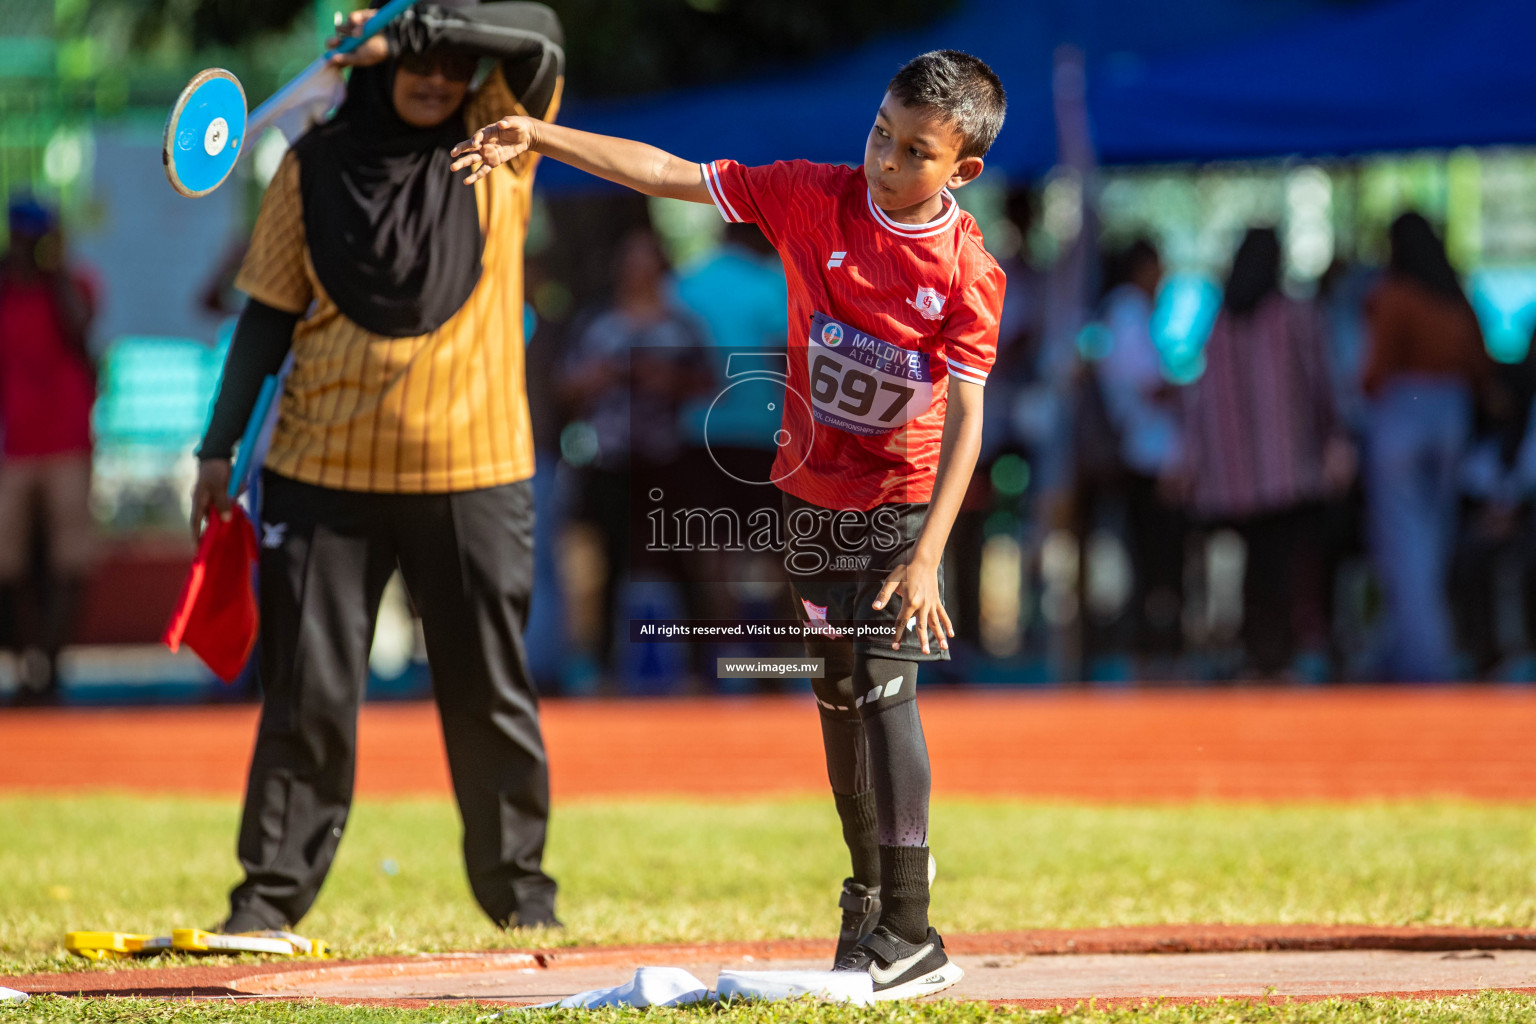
(47, 388)
(1425, 365)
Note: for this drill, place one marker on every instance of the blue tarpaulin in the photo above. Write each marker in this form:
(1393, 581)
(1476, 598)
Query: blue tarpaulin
(1396, 75)
(1168, 81)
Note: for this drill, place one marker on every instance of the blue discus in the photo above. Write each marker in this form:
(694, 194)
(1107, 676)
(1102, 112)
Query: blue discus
(204, 133)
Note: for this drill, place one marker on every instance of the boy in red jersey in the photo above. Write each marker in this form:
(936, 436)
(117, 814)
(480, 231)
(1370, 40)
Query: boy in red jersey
(894, 308)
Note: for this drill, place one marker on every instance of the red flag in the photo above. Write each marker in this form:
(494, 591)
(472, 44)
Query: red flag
(217, 615)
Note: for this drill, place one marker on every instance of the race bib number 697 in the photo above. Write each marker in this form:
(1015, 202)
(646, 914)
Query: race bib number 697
(862, 384)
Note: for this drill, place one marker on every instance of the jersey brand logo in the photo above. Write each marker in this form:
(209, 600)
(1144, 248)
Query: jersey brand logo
(836, 260)
(272, 534)
(832, 335)
(929, 303)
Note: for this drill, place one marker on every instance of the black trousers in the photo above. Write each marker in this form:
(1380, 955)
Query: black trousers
(467, 561)
(1155, 536)
(1283, 586)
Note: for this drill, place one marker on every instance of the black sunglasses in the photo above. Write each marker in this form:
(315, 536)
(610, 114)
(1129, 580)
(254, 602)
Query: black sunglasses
(455, 66)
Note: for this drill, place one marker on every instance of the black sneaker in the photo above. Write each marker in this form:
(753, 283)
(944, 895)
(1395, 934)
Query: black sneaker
(899, 969)
(861, 912)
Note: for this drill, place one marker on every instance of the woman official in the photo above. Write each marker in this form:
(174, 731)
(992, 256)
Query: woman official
(402, 440)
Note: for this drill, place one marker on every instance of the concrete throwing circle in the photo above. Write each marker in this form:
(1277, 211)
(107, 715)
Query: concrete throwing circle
(1115, 966)
(1050, 980)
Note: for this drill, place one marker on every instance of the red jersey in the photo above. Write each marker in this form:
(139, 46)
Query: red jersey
(46, 389)
(881, 315)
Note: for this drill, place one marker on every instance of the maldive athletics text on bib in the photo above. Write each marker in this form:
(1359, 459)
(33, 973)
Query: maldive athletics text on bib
(861, 384)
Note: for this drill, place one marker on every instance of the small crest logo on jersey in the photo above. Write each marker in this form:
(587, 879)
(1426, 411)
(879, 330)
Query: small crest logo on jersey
(929, 303)
(832, 335)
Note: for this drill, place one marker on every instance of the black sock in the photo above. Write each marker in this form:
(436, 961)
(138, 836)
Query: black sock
(857, 812)
(904, 896)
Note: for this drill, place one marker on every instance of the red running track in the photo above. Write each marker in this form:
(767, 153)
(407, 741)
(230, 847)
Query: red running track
(1140, 745)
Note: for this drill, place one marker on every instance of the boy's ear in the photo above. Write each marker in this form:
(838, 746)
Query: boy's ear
(967, 170)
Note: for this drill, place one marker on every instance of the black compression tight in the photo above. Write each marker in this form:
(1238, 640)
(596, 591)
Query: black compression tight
(874, 741)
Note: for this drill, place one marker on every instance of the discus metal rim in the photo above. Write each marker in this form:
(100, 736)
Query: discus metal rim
(172, 121)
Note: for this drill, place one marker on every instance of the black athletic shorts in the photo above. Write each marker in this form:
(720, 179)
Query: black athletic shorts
(838, 561)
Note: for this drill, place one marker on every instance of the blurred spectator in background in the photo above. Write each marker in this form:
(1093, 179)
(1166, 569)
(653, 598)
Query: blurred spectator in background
(1142, 407)
(1341, 295)
(1264, 447)
(1425, 365)
(47, 388)
(1019, 410)
(1020, 407)
(1498, 485)
(633, 367)
(737, 293)
(738, 290)
(548, 638)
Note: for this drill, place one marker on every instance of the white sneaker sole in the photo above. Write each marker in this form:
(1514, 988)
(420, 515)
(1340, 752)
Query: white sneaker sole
(934, 981)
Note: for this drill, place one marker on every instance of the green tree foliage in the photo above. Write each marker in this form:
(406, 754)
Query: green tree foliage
(193, 24)
(614, 47)
(232, 22)
(617, 47)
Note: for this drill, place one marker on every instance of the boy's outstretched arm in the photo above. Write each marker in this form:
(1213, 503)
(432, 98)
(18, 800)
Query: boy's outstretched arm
(633, 164)
(918, 580)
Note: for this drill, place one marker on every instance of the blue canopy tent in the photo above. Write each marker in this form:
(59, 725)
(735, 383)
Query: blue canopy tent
(1395, 75)
(822, 112)
(1184, 80)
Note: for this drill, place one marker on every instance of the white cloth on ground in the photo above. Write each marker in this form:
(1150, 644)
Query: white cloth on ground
(673, 986)
(651, 986)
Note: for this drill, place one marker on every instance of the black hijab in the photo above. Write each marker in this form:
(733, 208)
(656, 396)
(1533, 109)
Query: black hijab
(394, 236)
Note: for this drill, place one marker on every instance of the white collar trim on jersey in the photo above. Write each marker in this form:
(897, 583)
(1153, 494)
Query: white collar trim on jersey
(942, 222)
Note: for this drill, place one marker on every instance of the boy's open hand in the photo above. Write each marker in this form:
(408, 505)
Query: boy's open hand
(918, 588)
(492, 146)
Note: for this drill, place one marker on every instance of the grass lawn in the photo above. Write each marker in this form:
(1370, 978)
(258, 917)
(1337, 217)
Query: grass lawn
(1490, 1008)
(643, 871)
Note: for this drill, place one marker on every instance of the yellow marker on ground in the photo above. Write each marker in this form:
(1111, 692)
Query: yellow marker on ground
(105, 945)
(123, 945)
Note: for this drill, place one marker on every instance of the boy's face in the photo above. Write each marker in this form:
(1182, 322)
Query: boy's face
(911, 155)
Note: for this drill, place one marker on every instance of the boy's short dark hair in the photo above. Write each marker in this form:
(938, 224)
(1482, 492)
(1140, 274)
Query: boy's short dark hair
(960, 87)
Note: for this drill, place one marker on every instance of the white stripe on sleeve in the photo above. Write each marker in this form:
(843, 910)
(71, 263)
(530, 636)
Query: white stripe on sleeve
(709, 183)
(968, 373)
(720, 189)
